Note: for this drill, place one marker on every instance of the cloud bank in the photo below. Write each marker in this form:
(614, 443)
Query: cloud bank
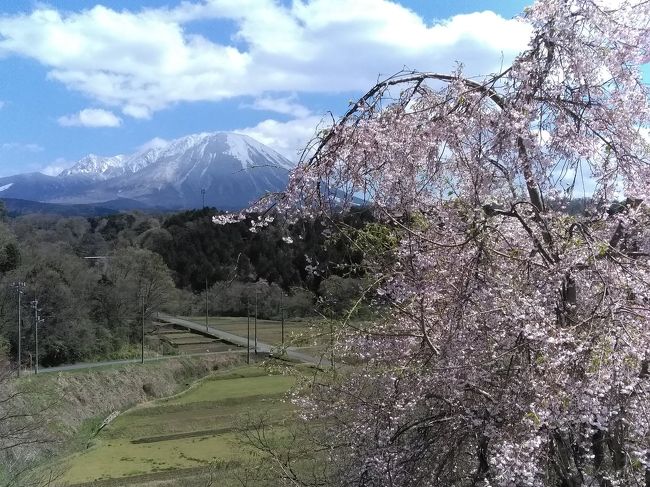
(143, 61)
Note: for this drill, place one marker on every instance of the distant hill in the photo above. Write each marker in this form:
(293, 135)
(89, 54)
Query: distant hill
(17, 207)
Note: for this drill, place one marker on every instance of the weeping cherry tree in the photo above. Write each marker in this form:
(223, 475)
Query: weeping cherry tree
(516, 348)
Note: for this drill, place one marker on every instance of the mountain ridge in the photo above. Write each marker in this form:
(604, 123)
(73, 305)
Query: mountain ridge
(220, 169)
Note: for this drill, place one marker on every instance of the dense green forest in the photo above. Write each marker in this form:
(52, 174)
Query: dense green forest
(196, 249)
(92, 276)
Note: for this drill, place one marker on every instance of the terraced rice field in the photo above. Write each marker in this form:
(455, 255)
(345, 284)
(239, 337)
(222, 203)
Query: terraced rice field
(188, 436)
(296, 333)
(184, 341)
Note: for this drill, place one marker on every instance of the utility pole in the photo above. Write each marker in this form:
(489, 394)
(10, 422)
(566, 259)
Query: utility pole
(36, 319)
(282, 313)
(248, 331)
(256, 295)
(19, 286)
(142, 341)
(40, 320)
(203, 198)
(206, 304)
(332, 342)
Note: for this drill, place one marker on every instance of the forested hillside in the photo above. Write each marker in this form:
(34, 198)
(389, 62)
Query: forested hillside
(91, 276)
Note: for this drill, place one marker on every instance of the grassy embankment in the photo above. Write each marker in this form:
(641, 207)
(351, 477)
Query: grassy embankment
(194, 436)
(73, 404)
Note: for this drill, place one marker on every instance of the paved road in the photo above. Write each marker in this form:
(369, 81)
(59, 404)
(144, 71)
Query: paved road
(262, 347)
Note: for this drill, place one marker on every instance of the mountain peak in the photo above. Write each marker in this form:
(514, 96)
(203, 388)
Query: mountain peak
(222, 169)
(243, 148)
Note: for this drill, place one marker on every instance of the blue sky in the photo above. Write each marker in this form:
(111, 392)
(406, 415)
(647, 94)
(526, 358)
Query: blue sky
(79, 77)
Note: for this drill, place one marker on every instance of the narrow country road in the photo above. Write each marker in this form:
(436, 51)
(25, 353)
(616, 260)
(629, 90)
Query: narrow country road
(262, 347)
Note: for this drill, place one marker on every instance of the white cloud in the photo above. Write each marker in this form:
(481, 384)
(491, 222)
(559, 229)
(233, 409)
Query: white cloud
(143, 61)
(20, 147)
(285, 106)
(288, 138)
(155, 143)
(55, 168)
(137, 111)
(91, 117)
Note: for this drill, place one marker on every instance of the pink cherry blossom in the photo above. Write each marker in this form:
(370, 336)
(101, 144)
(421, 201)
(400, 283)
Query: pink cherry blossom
(511, 341)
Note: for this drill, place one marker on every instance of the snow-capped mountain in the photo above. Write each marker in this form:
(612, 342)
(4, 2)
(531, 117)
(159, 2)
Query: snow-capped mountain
(229, 170)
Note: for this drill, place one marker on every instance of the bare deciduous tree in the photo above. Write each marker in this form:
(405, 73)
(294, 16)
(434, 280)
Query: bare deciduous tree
(22, 431)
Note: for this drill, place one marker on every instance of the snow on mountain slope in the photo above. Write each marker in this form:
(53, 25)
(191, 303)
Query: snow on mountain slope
(241, 147)
(96, 167)
(228, 170)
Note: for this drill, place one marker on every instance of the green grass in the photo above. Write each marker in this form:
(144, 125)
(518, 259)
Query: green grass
(198, 428)
(245, 388)
(121, 458)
